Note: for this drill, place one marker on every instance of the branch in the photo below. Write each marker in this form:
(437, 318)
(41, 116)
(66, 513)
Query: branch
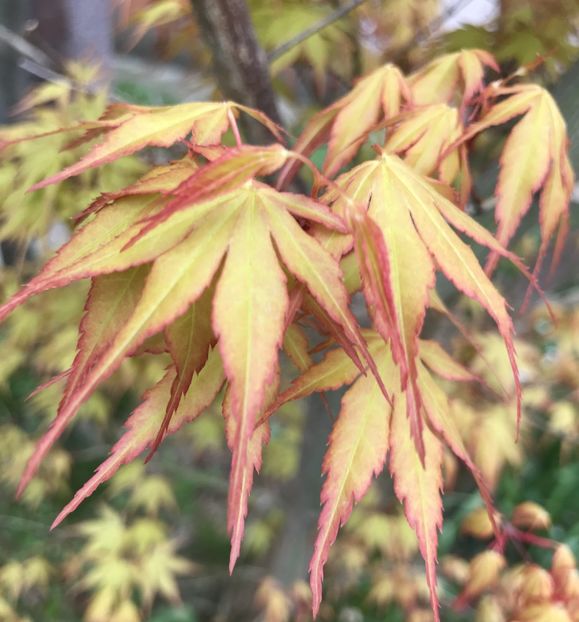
(313, 30)
(24, 47)
(436, 23)
(239, 62)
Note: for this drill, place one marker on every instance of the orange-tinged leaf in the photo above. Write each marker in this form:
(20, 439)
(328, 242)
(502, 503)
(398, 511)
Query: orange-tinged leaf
(356, 453)
(351, 272)
(380, 273)
(437, 82)
(176, 280)
(418, 486)
(140, 127)
(159, 180)
(262, 118)
(334, 371)
(102, 245)
(374, 266)
(534, 158)
(440, 418)
(452, 255)
(377, 96)
(423, 135)
(295, 345)
(188, 339)
(108, 307)
(302, 207)
(472, 64)
(241, 475)
(143, 425)
(96, 234)
(437, 359)
(248, 318)
(131, 128)
(225, 174)
(331, 330)
(392, 255)
(319, 271)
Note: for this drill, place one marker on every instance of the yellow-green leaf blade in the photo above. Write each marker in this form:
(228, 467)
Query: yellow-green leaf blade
(356, 453)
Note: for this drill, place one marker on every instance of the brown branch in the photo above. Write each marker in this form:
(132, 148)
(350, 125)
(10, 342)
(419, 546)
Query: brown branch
(240, 64)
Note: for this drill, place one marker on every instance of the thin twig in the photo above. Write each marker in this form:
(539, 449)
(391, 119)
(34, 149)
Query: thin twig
(24, 47)
(424, 33)
(313, 30)
(49, 75)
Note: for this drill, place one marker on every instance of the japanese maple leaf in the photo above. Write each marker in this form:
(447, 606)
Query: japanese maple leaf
(427, 138)
(402, 240)
(367, 428)
(345, 124)
(128, 128)
(534, 158)
(439, 80)
(143, 424)
(241, 240)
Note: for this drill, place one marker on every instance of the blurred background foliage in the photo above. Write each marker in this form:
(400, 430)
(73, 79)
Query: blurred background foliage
(152, 544)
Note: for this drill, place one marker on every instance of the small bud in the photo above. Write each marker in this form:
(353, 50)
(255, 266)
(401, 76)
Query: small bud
(529, 515)
(484, 572)
(537, 585)
(478, 524)
(489, 610)
(564, 573)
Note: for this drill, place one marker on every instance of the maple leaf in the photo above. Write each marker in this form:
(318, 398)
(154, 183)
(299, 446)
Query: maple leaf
(143, 425)
(440, 416)
(327, 50)
(356, 452)
(417, 484)
(346, 123)
(188, 340)
(412, 237)
(159, 180)
(437, 359)
(295, 345)
(535, 157)
(129, 128)
(243, 465)
(427, 138)
(233, 233)
(439, 80)
(353, 459)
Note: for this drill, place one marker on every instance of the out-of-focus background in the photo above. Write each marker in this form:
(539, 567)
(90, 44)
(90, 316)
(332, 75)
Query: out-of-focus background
(152, 544)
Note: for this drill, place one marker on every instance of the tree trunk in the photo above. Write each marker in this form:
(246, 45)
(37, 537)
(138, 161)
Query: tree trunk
(302, 496)
(239, 63)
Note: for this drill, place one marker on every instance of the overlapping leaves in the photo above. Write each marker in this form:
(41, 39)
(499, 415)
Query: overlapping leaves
(534, 158)
(213, 266)
(153, 259)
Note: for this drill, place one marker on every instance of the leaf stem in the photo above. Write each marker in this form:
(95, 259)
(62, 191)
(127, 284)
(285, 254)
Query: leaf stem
(234, 128)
